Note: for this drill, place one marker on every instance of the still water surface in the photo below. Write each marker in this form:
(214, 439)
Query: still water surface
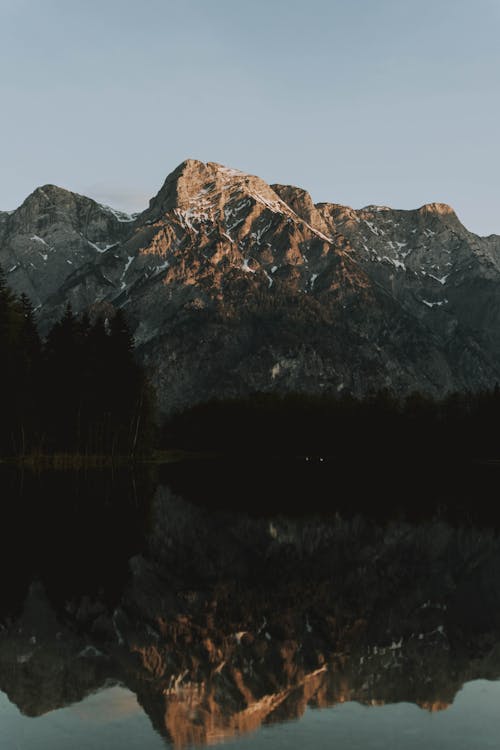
(146, 612)
(113, 719)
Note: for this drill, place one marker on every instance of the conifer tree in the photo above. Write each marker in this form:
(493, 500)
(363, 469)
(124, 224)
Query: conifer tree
(29, 363)
(81, 390)
(63, 378)
(20, 351)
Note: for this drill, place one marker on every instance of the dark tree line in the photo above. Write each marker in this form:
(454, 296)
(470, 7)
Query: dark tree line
(380, 426)
(66, 545)
(78, 391)
(81, 390)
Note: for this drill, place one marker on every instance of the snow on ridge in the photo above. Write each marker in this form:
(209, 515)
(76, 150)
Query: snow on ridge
(257, 236)
(122, 216)
(101, 249)
(395, 262)
(269, 278)
(318, 233)
(130, 258)
(201, 208)
(435, 304)
(230, 172)
(279, 206)
(231, 214)
(441, 280)
(96, 247)
(403, 253)
(276, 206)
(373, 229)
(205, 205)
(104, 249)
(246, 267)
(36, 238)
(162, 267)
(186, 218)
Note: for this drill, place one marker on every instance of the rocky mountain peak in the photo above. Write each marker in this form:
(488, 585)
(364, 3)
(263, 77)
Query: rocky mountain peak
(61, 204)
(49, 192)
(50, 204)
(302, 204)
(184, 179)
(49, 196)
(204, 188)
(441, 209)
(441, 214)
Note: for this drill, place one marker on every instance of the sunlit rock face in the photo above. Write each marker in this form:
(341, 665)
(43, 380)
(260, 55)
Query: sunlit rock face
(227, 622)
(268, 290)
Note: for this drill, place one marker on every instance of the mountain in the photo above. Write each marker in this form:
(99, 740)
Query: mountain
(234, 286)
(52, 234)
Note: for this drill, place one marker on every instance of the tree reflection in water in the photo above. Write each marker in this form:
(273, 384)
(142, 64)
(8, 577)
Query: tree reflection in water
(220, 621)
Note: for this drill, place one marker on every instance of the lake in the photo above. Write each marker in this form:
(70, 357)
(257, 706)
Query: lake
(256, 604)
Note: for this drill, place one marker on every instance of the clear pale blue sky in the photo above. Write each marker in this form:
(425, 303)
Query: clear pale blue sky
(394, 102)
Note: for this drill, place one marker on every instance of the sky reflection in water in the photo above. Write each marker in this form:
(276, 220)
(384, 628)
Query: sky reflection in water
(109, 719)
(113, 719)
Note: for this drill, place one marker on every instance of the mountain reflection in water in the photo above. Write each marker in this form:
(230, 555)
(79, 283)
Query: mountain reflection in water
(218, 621)
(110, 718)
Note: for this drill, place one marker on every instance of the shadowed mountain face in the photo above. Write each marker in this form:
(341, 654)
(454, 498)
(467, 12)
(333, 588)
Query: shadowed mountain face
(268, 290)
(225, 622)
(52, 235)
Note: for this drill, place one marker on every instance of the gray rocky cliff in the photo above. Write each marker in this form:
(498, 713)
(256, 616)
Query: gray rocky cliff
(52, 235)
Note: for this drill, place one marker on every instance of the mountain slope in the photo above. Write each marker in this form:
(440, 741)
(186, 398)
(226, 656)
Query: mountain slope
(234, 286)
(50, 235)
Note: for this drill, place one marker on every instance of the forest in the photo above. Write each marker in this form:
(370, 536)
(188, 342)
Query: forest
(79, 390)
(378, 427)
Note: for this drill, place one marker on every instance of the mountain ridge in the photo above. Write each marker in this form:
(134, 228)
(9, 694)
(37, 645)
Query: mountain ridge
(431, 207)
(274, 291)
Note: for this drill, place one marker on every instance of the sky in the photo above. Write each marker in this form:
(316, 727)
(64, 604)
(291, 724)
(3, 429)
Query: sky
(391, 102)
